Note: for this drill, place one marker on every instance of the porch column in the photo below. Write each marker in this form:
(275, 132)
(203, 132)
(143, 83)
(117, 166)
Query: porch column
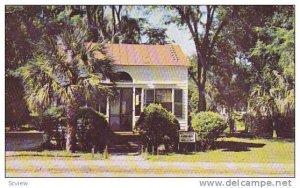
(186, 103)
(142, 100)
(173, 101)
(107, 110)
(133, 108)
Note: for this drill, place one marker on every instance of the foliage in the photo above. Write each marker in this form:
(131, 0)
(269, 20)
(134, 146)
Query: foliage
(252, 64)
(204, 23)
(273, 90)
(193, 98)
(192, 87)
(262, 126)
(223, 36)
(158, 126)
(16, 112)
(95, 130)
(65, 71)
(19, 30)
(116, 24)
(49, 122)
(274, 56)
(208, 126)
(26, 25)
(130, 30)
(156, 35)
(63, 67)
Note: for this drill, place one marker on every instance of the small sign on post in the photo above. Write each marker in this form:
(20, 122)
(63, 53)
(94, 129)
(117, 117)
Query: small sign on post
(186, 137)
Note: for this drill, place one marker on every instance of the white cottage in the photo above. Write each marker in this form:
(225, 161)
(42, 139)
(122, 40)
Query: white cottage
(148, 74)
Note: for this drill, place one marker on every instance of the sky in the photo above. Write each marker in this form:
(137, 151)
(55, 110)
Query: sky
(180, 36)
(183, 38)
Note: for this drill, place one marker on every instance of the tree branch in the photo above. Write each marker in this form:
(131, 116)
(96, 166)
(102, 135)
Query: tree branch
(216, 35)
(193, 76)
(209, 20)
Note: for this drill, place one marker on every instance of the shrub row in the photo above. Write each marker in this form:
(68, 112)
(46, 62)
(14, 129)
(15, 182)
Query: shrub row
(158, 126)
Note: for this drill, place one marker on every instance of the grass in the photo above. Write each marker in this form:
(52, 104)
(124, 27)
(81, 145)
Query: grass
(227, 150)
(44, 155)
(238, 150)
(272, 158)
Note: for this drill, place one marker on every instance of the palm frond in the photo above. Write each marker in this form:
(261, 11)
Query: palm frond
(66, 69)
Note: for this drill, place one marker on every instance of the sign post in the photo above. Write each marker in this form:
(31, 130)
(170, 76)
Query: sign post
(186, 137)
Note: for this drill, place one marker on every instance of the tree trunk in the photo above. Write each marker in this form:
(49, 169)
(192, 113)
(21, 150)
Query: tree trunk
(201, 101)
(72, 110)
(119, 16)
(201, 88)
(201, 73)
(71, 137)
(88, 16)
(113, 20)
(274, 130)
(73, 107)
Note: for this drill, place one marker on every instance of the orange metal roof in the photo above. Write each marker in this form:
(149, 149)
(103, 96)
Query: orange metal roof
(143, 54)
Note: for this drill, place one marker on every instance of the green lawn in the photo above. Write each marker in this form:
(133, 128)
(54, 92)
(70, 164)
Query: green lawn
(30, 155)
(238, 150)
(228, 150)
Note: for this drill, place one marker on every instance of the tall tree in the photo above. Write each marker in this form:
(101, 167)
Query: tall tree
(273, 60)
(66, 71)
(230, 74)
(205, 25)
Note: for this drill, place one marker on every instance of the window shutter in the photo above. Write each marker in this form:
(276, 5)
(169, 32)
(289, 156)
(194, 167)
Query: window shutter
(178, 98)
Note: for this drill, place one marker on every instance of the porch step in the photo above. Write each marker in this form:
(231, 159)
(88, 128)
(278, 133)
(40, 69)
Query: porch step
(125, 133)
(124, 143)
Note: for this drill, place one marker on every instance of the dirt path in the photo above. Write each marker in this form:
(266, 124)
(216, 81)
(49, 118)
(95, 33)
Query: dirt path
(137, 166)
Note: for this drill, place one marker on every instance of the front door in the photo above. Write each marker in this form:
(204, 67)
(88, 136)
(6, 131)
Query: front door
(120, 113)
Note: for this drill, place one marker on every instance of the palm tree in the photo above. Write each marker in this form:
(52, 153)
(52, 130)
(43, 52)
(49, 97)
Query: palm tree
(65, 71)
(272, 102)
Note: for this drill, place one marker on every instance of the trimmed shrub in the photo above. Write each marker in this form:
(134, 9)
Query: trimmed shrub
(48, 122)
(208, 126)
(93, 130)
(158, 126)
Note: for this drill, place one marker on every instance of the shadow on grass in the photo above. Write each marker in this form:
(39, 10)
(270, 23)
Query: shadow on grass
(239, 135)
(228, 146)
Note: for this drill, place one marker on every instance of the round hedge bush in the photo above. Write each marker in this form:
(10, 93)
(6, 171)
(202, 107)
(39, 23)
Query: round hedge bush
(208, 126)
(95, 131)
(158, 126)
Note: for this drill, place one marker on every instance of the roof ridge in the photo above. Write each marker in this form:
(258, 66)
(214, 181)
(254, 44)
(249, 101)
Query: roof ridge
(174, 54)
